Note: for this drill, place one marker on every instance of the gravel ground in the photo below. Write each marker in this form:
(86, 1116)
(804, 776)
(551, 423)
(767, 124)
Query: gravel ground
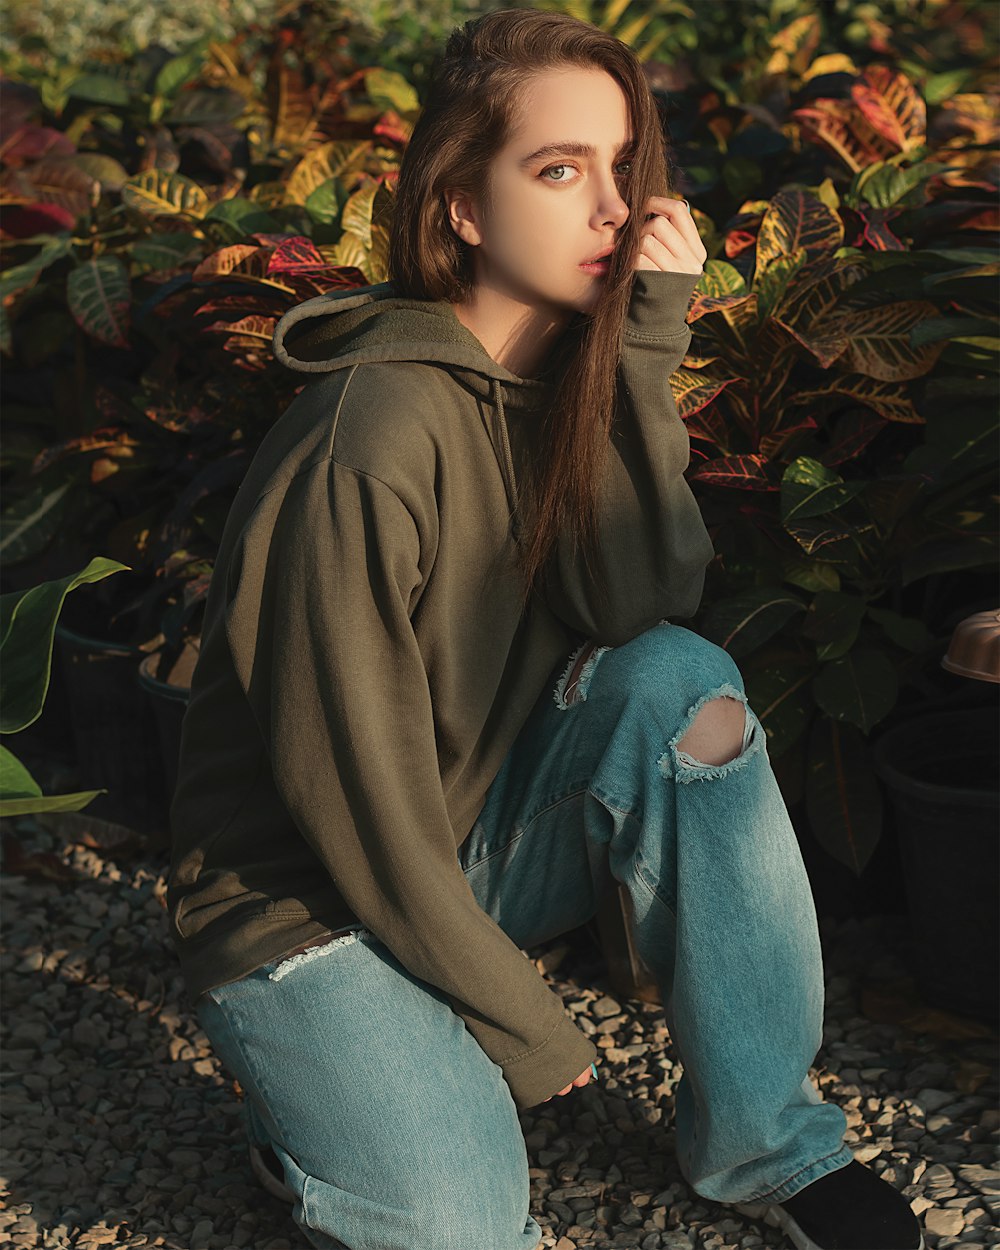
(120, 1128)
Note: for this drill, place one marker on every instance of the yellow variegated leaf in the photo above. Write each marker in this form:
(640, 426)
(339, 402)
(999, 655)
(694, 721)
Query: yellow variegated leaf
(892, 106)
(816, 289)
(356, 216)
(797, 219)
(771, 284)
(879, 341)
(972, 113)
(157, 193)
(794, 46)
(350, 250)
(831, 63)
(331, 160)
(294, 111)
(378, 258)
(268, 194)
(893, 403)
(840, 126)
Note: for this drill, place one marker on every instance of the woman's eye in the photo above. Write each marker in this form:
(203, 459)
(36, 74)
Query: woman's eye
(545, 172)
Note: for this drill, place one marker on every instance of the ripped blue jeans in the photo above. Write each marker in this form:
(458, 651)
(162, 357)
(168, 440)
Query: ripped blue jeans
(375, 1097)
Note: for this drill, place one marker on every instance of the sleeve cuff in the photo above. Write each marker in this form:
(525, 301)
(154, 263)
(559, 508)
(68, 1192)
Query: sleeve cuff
(565, 1053)
(659, 302)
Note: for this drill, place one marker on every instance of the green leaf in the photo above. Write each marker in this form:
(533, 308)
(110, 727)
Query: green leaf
(49, 803)
(741, 623)
(389, 90)
(905, 631)
(27, 629)
(100, 89)
(180, 70)
(860, 687)
(934, 329)
(244, 216)
(15, 780)
(809, 488)
(832, 622)
(164, 251)
(958, 441)
(99, 297)
(31, 522)
(20, 277)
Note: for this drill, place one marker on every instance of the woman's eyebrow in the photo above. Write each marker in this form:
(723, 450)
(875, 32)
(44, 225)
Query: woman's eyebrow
(568, 147)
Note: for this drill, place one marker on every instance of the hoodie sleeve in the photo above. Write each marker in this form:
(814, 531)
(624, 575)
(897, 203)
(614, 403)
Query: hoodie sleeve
(320, 631)
(653, 540)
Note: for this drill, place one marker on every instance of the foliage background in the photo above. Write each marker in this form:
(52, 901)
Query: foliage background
(173, 180)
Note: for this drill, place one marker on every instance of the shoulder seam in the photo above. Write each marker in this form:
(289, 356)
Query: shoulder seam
(340, 405)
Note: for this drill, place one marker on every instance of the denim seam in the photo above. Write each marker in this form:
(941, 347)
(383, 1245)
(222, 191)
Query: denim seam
(526, 826)
(250, 1067)
(805, 1168)
(620, 811)
(628, 814)
(655, 893)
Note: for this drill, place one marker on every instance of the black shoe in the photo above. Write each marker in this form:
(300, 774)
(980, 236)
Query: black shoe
(848, 1209)
(267, 1168)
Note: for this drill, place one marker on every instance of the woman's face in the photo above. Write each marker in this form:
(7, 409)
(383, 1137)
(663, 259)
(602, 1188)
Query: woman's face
(553, 210)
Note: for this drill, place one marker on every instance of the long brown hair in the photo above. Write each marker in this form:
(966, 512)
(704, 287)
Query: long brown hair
(469, 114)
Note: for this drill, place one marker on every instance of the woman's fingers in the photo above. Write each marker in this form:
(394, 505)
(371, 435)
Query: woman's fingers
(582, 1079)
(670, 239)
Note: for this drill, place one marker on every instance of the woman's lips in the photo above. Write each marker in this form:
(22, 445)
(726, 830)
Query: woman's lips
(597, 266)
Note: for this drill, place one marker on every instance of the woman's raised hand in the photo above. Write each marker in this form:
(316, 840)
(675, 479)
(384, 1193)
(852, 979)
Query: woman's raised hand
(670, 239)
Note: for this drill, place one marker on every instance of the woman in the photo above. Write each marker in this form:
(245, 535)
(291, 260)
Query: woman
(439, 707)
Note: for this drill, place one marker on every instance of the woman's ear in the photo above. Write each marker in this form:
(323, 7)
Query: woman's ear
(462, 216)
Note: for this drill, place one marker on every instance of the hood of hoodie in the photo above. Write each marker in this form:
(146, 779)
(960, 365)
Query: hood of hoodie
(361, 325)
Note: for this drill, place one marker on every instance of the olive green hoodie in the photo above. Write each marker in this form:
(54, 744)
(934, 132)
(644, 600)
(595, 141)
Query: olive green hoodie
(364, 667)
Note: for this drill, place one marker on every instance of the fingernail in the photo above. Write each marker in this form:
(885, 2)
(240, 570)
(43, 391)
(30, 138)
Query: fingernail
(594, 1070)
(687, 206)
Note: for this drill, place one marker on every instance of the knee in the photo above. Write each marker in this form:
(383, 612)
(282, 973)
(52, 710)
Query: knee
(716, 734)
(677, 664)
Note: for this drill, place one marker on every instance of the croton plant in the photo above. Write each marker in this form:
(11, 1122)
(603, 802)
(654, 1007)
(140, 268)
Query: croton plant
(840, 390)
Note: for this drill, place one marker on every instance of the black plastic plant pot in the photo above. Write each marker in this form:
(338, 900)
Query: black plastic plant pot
(113, 730)
(941, 775)
(169, 700)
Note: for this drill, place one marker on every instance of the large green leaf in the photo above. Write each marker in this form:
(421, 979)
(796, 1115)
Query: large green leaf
(743, 622)
(832, 622)
(20, 793)
(809, 488)
(31, 522)
(27, 628)
(860, 687)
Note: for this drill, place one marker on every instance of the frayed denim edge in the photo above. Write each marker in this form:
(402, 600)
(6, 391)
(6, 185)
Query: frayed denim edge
(583, 681)
(690, 769)
(314, 952)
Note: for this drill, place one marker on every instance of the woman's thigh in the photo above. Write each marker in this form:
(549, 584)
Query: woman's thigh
(395, 1129)
(564, 812)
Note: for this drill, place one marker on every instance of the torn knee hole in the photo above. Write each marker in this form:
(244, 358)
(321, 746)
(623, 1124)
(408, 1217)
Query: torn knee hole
(703, 740)
(716, 735)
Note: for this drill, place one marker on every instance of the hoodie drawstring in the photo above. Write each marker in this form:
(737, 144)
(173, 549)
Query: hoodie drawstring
(505, 459)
